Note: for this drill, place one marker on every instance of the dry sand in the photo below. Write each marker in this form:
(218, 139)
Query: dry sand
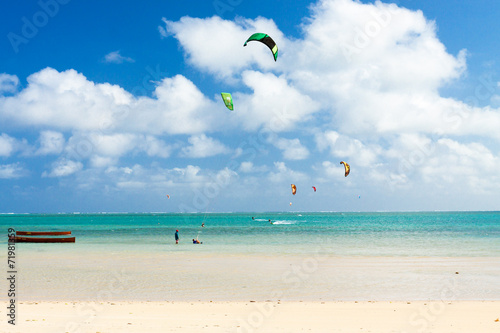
(90, 293)
(243, 317)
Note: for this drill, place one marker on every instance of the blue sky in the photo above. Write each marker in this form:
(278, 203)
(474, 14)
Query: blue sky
(110, 107)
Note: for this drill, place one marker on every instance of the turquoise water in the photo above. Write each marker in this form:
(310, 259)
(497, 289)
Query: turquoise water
(432, 234)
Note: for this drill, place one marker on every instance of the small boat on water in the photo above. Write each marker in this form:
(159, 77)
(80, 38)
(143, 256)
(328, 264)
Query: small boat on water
(42, 233)
(19, 239)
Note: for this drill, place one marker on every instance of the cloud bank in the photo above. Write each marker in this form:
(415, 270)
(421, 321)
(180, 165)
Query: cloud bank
(362, 83)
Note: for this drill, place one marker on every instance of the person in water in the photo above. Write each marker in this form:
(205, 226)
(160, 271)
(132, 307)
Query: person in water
(195, 241)
(202, 224)
(176, 235)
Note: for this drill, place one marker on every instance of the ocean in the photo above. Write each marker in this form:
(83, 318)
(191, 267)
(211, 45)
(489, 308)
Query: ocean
(433, 234)
(299, 256)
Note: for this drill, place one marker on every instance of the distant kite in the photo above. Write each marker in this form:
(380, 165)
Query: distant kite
(346, 167)
(228, 100)
(266, 39)
(168, 196)
(294, 189)
(314, 188)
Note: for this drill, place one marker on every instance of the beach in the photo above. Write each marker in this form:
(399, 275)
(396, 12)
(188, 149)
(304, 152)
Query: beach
(249, 293)
(360, 273)
(239, 317)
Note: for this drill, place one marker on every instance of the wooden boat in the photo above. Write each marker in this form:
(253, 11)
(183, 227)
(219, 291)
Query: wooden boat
(43, 233)
(44, 239)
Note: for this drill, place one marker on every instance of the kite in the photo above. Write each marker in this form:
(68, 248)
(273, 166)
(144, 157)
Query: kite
(346, 167)
(168, 196)
(294, 189)
(266, 39)
(228, 100)
(314, 188)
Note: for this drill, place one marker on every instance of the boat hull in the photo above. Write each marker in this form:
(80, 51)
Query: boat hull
(42, 233)
(44, 240)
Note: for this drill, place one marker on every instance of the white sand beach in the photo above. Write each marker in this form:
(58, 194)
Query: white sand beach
(253, 293)
(243, 317)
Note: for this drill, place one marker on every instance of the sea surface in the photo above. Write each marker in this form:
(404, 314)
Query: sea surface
(299, 256)
(432, 234)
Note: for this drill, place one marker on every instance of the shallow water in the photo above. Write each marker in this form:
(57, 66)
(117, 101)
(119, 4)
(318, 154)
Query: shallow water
(303, 256)
(459, 234)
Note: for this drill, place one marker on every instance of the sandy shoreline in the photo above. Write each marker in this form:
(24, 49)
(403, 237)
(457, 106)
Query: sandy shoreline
(241, 317)
(77, 293)
(197, 277)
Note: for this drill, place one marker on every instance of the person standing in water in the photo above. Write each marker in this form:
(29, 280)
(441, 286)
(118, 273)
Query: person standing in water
(176, 236)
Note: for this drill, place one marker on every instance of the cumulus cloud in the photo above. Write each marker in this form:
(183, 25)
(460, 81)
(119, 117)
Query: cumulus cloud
(7, 145)
(224, 57)
(362, 83)
(11, 171)
(68, 101)
(203, 146)
(116, 58)
(249, 167)
(283, 174)
(51, 142)
(331, 171)
(8, 83)
(106, 149)
(345, 147)
(292, 148)
(275, 104)
(63, 167)
(155, 147)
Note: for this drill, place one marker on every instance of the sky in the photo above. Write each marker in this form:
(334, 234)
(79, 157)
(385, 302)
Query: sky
(112, 106)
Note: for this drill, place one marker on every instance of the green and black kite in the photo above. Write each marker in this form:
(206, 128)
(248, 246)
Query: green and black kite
(266, 39)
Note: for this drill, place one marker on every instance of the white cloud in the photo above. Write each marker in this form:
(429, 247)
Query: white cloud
(225, 57)
(274, 104)
(98, 161)
(331, 171)
(246, 167)
(203, 146)
(8, 83)
(189, 174)
(283, 174)
(105, 149)
(7, 145)
(155, 147)
(68, 101)
(51, 142)
(345, 147)
(469, 164)
(249, 167)
(11, 171)
(116, 58)
(363, 80)
(292, 148)
(63, 167)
